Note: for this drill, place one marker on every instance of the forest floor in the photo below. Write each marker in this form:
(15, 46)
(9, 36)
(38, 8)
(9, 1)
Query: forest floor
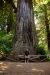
(16, 68)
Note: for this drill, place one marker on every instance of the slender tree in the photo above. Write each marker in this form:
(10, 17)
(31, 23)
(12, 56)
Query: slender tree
(47, 27)
(10, 19)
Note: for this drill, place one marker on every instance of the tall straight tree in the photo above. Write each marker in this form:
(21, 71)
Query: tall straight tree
(10, 19)
(47, 27)
(25, 29)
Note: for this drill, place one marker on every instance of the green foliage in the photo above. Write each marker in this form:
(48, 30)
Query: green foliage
(48, 59)
(6, 15)
(41, 50)
(5, 42)
(40, 9)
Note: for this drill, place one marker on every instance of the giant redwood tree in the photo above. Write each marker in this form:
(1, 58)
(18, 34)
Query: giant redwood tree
(25, 29)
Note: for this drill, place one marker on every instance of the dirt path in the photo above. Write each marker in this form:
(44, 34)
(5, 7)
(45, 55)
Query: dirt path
(13, 68)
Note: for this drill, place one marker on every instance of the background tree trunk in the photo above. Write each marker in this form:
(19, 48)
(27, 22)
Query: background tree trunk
(10, 19)
(25, 29)
(47, 27)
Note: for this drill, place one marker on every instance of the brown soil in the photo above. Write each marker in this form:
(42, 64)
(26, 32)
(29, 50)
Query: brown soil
(14, 68)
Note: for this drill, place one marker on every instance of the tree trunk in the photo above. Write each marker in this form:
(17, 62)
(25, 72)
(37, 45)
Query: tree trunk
(48, 31)
(10, 19)
(47, 27)
(25, 29)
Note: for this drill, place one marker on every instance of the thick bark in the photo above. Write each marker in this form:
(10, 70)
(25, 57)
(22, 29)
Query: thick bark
(24, 37)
